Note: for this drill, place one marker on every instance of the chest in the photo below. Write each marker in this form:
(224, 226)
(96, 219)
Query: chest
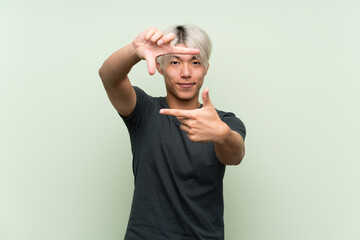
(161, 144)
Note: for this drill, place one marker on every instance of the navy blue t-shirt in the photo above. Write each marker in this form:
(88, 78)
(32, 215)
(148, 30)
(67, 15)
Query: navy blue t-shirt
(178, 183)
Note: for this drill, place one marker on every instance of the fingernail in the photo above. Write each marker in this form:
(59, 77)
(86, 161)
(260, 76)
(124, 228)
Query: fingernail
(160, 42)
(161, 111)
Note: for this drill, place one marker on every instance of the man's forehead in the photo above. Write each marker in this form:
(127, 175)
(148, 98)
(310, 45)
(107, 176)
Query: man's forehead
(184, 56)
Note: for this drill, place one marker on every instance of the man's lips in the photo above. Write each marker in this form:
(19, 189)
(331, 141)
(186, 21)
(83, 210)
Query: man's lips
(186, 85)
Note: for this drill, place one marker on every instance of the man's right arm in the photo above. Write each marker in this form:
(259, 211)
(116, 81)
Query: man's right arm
(150, 44)
(114, 75)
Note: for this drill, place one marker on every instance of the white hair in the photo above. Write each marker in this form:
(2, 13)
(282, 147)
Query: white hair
(192, 37)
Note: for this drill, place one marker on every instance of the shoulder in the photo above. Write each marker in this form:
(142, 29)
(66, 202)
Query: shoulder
(145, 107)
(233, 122)
(226, 115)
(143, 96)
(140, 93)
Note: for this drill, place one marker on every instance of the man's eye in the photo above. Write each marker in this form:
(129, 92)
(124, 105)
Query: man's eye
(196, 63)
(174, 62)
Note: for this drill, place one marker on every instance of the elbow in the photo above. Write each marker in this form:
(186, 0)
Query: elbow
(101, 72)
(238, 159)
(241, 157)
(237, 162)
(231, 158)
(232, 161)
(103, 77)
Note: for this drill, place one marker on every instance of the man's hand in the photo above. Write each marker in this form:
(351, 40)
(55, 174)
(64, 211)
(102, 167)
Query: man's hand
(152, 43)
(203, 124)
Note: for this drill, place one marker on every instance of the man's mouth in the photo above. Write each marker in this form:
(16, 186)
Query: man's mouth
(186, 85)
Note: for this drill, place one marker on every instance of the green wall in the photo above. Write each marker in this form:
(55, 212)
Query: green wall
(289, 69)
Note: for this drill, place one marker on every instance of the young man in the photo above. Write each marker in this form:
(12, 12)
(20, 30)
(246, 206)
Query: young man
(180, 147)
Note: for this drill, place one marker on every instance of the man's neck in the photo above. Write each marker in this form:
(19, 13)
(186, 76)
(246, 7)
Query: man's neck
(176, 103)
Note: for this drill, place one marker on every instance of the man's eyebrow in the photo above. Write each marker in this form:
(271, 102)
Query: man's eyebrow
(178, 57)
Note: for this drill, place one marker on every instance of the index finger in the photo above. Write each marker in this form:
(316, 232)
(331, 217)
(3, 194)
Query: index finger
(177, 113)
(185, 51)
(151, 65)
(166, 39)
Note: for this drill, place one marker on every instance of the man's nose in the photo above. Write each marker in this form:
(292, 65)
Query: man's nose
(185, 71)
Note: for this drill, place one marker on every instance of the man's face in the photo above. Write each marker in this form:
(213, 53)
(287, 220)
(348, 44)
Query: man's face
(184, 76)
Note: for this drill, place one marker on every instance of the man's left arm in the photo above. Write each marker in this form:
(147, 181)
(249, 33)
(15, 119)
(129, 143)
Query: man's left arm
(230, 150)
(205, 125)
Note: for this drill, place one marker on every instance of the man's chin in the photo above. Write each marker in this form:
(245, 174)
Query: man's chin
(186, 97)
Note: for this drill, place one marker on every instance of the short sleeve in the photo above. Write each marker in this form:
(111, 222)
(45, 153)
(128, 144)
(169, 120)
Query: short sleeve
(144, 104)
(234, 123)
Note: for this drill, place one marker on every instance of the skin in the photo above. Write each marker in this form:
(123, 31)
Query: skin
(204, 125)
(183, 75)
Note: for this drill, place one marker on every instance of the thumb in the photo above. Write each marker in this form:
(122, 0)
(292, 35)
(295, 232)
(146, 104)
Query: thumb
(151, 64)
(206, 98)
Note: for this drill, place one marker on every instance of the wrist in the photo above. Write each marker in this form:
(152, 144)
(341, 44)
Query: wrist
(133, 52)
(224, 133)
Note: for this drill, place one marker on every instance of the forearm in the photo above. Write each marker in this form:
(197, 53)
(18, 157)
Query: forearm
(116, 68)
(230, 150)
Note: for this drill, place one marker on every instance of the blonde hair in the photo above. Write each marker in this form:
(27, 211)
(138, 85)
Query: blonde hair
(193, 37)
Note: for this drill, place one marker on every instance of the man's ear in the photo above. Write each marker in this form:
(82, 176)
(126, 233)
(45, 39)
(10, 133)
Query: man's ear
(159, 68)
(207, 68)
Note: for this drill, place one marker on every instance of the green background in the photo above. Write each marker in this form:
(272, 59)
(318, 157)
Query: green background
(288, 69)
